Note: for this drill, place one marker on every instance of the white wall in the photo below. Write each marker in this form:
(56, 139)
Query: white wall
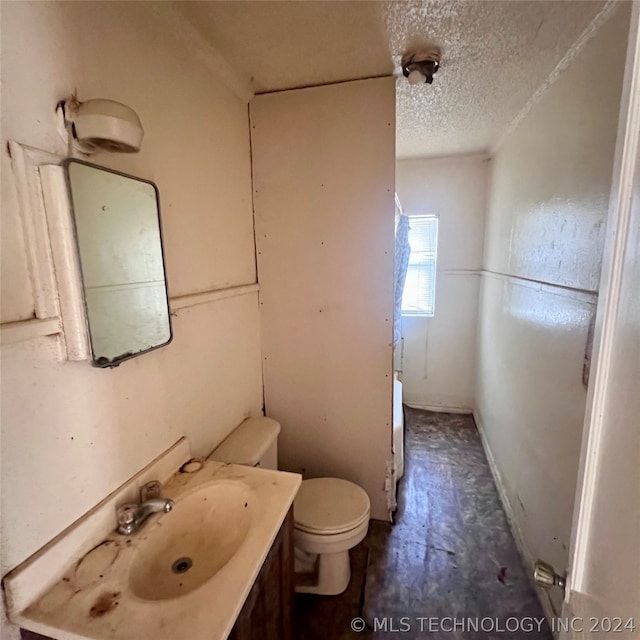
(324, 183)
(439, 354)
(548, 201)
(72, 433)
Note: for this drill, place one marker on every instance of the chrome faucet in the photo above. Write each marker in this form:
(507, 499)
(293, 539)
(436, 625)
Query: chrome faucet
(132, 516)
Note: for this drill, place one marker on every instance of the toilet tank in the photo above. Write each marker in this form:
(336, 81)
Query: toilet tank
(254, 442)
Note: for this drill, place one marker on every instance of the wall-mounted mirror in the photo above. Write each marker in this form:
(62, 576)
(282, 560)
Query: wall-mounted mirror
(117, 224)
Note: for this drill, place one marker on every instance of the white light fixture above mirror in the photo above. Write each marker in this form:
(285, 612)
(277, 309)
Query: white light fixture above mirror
(100, 125)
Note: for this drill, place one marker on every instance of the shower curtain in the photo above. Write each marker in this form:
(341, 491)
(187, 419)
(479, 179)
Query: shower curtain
(402, 252)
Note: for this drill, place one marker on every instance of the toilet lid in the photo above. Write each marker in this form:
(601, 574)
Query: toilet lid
(330, 505)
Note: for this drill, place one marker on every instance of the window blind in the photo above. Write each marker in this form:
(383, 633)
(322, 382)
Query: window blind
(418, 298)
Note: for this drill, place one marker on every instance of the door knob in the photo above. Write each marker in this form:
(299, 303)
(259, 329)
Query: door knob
(545, 576)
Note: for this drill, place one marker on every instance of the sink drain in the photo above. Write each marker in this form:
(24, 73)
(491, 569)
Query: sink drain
(182, 565)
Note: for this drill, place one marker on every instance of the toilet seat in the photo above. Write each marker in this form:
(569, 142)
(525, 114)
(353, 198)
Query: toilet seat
(332, 532)
(330, 506)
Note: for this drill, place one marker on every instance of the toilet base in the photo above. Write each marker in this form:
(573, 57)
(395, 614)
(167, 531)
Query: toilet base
(334, 573)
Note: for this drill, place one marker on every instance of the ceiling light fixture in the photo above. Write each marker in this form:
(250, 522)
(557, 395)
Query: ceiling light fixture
(420, 66)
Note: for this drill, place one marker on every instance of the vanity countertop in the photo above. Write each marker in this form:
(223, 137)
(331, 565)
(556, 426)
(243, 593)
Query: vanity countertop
(94, 600)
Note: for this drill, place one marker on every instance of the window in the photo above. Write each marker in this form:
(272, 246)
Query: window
(418, 297)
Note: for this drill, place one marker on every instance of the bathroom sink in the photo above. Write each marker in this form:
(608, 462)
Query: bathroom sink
(185, 548)
(181, 574)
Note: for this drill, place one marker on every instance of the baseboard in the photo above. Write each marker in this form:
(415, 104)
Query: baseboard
(438, 408)
(524, 550)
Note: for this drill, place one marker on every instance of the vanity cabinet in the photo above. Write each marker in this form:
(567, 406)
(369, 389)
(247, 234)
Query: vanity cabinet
(268, 610)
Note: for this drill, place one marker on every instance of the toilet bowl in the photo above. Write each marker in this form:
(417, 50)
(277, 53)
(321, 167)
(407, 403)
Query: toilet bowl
(330, 516)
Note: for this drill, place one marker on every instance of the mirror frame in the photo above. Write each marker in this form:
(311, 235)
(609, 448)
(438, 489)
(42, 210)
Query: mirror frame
(115, 363)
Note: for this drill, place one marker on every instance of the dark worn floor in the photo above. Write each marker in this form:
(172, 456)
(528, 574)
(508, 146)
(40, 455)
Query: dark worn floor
(449, 563)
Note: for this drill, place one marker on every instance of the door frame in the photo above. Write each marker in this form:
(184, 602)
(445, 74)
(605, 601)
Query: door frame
(617, 230)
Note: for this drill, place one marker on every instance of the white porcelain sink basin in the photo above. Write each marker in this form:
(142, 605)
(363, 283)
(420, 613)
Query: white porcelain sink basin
(183, 574)
(190, 544)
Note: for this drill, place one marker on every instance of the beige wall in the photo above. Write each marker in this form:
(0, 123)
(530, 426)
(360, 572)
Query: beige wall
(324, 205)
(72, 433)
(439, 354)
(548, 201)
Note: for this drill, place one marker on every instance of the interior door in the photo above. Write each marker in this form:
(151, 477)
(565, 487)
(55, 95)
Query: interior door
(602, 598)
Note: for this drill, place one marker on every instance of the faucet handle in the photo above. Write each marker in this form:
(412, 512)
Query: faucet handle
(127, 513)
(150, 490)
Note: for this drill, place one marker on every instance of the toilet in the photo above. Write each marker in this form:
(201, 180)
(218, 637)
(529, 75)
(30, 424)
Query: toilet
(330, 515)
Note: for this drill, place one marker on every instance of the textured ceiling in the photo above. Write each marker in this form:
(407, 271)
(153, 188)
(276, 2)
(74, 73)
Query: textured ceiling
(495, 54)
